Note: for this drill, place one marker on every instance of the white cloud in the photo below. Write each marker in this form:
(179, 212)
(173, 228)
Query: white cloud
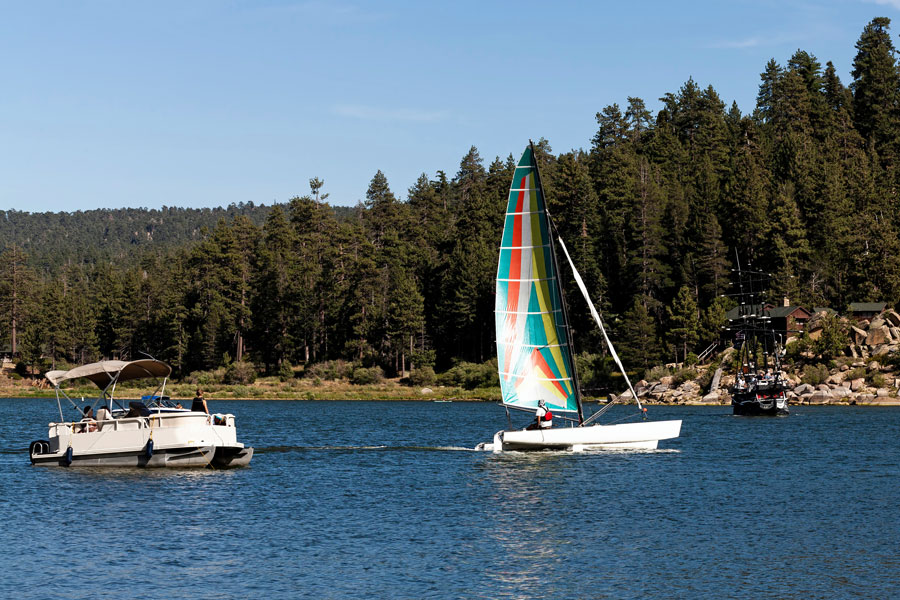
(893, 3)
(750, 42)
(372, 113)
(756, 41)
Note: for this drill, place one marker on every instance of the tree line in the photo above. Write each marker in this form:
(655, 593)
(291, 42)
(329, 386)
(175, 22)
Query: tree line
(654, 213)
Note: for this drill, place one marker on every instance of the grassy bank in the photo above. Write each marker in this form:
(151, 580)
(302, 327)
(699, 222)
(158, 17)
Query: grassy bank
(271, 388)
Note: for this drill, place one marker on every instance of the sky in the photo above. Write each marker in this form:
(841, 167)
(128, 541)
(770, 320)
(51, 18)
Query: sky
(111, 103)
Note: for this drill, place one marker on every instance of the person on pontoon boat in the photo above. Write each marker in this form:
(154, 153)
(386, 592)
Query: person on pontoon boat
(199, 403)
(103, 414)
(89, 423)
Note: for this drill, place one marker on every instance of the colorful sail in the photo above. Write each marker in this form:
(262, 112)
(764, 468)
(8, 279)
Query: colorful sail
(532, 345)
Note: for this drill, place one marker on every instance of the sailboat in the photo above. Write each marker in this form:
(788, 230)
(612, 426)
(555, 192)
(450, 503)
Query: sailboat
(535, 356)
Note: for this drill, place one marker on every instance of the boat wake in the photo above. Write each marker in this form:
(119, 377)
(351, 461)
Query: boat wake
(586, 451)
(281, 449)
(386, 448)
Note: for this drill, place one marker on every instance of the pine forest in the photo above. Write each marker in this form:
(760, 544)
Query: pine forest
(655, 213)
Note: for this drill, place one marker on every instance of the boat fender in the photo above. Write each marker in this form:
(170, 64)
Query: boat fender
(68, 457)
(150, 448)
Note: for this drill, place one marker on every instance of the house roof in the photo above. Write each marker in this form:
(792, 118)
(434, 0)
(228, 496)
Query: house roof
(774, 312)
(735, 313)
(867, 306)
(786, 311)
(824, 309)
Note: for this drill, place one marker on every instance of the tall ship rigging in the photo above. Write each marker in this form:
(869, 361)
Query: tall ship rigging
(760, 387)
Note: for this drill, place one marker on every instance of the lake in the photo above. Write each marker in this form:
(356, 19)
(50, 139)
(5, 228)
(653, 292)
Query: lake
(387, 500)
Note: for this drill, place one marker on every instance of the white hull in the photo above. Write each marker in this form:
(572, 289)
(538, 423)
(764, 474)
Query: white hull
(640, 436)
(179, 439)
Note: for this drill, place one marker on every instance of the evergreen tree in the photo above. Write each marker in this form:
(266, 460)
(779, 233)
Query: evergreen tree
(16, 292)
(765, 97)
(639, 342)
(684, 321)
(876, 83)
(790, 250)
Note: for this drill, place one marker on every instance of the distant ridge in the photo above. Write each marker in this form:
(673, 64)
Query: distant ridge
(52, 239)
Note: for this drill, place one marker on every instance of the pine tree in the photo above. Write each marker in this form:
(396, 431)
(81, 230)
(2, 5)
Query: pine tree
(16, 291)
(876, 83)
(766, 95)
(684, 321)
(639, 341)
(790, 249)
(273, 302)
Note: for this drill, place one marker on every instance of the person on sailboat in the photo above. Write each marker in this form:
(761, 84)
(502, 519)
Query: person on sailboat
(543, 418)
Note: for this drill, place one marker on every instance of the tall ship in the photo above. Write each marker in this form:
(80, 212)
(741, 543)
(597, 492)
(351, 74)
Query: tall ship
(760, 387)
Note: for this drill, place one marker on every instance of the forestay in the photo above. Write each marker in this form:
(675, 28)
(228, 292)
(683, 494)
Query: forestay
(533, 351)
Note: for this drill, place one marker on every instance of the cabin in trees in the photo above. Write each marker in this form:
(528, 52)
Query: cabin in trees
(866, 311)
(787, 321)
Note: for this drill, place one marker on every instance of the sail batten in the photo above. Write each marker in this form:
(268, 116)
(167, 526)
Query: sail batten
(533, 350)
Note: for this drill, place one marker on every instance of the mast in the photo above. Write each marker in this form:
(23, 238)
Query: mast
(562, 296)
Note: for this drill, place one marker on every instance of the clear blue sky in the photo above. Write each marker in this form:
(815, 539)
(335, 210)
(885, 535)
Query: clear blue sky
(109, 103)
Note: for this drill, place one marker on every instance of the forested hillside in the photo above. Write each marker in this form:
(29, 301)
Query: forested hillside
(654, 212)
(53, 240)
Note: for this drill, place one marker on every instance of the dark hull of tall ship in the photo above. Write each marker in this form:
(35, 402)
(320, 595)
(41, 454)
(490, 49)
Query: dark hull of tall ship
(752, 404)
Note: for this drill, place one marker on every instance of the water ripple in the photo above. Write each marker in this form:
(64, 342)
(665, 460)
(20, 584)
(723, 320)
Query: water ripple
(390, 500)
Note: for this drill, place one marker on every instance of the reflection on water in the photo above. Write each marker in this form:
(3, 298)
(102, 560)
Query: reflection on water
(524, 518)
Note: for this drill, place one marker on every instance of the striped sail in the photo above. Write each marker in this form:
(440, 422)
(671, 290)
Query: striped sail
(532, 346)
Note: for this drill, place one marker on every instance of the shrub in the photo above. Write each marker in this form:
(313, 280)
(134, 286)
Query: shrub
(15, 376)
(422, 376)
(691, 359)
(705, 378)
(857, 373)
(814, 374)
(285, 372)
(657, 373)
(366, 376)
(240, 372)
(241, 391)
(682, 375)
(471, 375)
(876, 379)
(21, 369)
(330, 370)
(207, 377)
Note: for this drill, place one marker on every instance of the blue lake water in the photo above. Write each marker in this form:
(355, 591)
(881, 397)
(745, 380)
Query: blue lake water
(386, 500)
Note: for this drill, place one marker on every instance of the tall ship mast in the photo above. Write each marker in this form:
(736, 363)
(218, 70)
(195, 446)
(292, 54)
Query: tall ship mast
(760, 387)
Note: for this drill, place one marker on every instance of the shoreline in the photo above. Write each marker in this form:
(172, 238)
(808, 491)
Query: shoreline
(272, 388)
(374, 396)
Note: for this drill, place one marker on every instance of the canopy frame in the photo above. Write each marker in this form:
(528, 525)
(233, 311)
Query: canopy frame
(106, 375)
